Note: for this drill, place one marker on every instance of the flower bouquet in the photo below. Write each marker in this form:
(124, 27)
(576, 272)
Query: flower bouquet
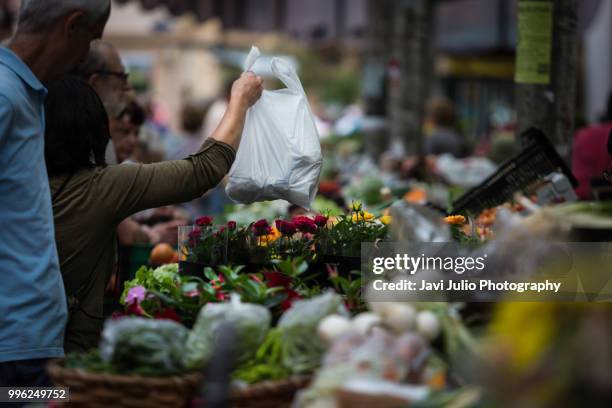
(320, 240)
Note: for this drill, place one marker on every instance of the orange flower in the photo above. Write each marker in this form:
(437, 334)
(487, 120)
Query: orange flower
(487, 217)
(455, 220)
(266, 240)
(417, 195)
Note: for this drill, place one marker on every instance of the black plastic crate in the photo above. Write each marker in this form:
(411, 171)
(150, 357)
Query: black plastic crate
(537, 160)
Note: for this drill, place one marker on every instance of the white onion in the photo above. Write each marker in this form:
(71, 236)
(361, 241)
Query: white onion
(363, 322)
(332, 327)
(400, 317)
(428, 324)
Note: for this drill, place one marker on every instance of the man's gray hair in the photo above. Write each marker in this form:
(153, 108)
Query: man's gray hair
(95, 60)
(37, 15)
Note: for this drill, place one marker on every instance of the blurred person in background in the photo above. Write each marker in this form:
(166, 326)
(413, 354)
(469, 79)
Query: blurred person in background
(192, 119)
(441, 128)
(105, 72)
(216, 110)
(126, 130)
(499, 144)
(151, 226)
(151, 147)
(590, 157)
(190, 137)
(90, 198)
(52, 37)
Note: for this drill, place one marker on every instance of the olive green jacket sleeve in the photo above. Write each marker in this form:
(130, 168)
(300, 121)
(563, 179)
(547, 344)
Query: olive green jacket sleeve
(129, 188)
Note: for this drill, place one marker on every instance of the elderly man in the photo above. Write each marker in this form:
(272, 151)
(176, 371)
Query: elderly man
(104, 71)
(106, 75)
(52, 37)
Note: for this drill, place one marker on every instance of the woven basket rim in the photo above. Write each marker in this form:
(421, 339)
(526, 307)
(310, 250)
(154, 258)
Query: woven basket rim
(270, 386)
(56, 369)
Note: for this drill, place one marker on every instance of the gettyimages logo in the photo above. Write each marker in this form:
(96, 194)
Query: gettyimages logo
(409, 264)
(521, 271)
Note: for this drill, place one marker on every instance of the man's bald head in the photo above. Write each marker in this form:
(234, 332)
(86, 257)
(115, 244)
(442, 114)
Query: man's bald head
(103, 56)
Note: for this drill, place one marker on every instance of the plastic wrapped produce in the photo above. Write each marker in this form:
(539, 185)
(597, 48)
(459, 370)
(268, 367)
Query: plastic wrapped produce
(251, 323)
(143, 346)
(303, 349)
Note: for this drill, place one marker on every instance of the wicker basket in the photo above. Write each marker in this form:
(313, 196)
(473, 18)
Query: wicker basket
(267, 394)
(107, 390)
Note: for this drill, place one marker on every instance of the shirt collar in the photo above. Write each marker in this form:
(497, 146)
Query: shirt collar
(15, 64)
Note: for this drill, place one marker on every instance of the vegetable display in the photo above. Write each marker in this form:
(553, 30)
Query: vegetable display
(143, 346)
(251, 323)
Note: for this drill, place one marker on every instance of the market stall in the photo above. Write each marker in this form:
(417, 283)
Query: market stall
(274, 311)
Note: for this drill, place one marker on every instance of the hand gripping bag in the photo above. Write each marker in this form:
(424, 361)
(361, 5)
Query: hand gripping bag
(279, 155)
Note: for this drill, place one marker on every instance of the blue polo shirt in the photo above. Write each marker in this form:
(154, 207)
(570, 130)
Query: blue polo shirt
(32, 301)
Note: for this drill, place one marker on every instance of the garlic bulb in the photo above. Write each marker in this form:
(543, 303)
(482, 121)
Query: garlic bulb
(332, 327)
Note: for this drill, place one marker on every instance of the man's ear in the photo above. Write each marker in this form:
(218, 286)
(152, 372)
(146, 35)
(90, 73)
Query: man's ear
(93, 80)
(72, 22)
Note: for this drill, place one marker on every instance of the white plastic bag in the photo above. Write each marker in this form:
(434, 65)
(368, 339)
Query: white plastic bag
(280, 154)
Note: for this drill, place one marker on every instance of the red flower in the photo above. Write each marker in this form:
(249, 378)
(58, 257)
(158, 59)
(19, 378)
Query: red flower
(276, 279)
(220, 232)
(261, 227)
(287, 228)
(221, 296)
(321, 220)
(117, 315)
(231, 225)
(169, 314)
(204, 221)
(134, 308)
(305, 224)
(292, 296)
(195, 234)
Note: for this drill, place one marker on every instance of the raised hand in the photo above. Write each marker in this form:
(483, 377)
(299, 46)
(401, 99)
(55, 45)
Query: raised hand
(247, 90)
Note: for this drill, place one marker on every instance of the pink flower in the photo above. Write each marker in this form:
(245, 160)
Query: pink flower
(136, 294)
(320, 220)
(332, 270)
(204, 221)
(286, 228)
(261, 227)
(305, 224)
(193, 293)
(217, 283)
(231, 225)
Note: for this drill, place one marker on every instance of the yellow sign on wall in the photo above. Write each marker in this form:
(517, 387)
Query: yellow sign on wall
(533, 54)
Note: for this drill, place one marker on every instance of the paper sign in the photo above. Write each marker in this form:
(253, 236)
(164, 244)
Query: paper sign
(535, 23)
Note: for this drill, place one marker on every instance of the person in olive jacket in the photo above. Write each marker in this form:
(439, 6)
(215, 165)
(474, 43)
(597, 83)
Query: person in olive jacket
(90, 198)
